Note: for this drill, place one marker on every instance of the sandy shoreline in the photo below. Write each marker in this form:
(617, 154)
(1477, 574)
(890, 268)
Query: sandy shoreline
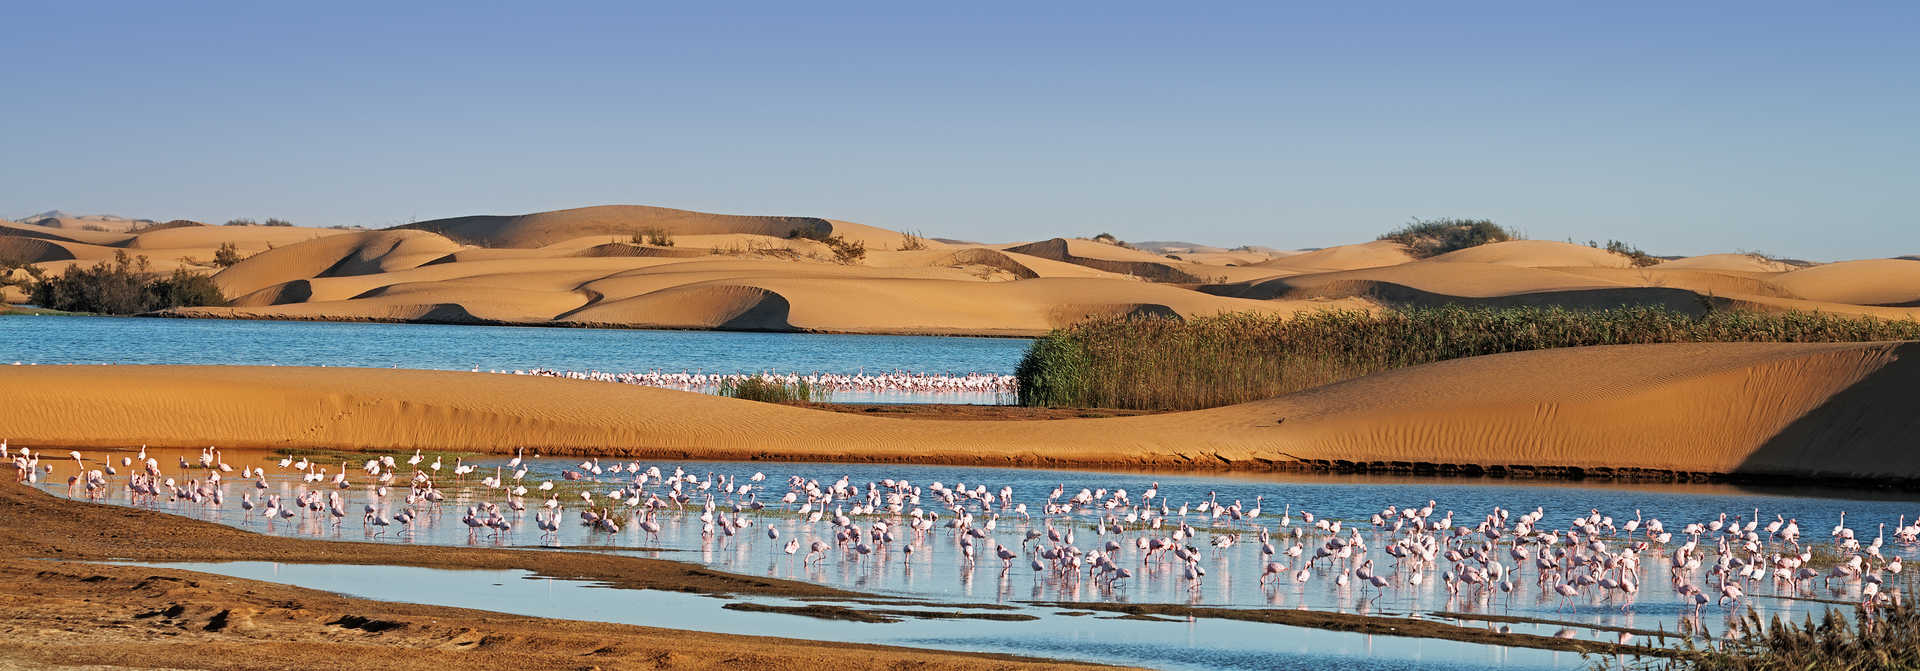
(1832, 411)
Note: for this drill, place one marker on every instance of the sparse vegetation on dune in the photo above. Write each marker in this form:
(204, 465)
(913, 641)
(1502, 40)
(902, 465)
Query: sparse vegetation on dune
(1635, 254)
(1433, 237)
(772, 389)
(658, 237)
(1152, 363)
(844, 250)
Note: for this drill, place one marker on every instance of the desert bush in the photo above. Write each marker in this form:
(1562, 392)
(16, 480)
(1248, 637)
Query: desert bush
(240, 222)
(1639, 258)
(770, 389)
(658, 237)
(123, 286)
(1155, 363)
(911, 241)
(846, 251)
(1432, 237)
(276, 222)
(227, 255)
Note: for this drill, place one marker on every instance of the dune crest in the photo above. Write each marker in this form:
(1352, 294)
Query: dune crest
(615, 222)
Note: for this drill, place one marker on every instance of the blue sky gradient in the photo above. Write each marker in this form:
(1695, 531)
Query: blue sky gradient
(1783, 127)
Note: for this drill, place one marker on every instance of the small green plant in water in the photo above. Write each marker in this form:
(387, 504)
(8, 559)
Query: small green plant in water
(771, 389)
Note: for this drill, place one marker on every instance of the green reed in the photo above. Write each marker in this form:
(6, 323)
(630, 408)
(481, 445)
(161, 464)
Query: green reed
(1151, 363)
(768, 389)
(1890, 639)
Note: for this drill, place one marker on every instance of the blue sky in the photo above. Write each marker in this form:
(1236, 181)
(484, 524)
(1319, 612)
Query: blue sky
(1775, 127)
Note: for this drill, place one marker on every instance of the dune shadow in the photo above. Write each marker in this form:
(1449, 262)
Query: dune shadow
(1868, 433)
(1677, 300)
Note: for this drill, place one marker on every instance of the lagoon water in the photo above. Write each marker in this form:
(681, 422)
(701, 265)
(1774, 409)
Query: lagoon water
(133, 340)
(937, 570)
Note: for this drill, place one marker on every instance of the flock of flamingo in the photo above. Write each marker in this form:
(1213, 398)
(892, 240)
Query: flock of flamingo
(1594, 559)
(878, 383)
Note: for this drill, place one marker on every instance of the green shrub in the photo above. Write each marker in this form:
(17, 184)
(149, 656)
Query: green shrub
(1633, 253)
(123, 286)
(769, 389)
(1153, 363)
(227, 255)
(1432, 237)
(240, 222)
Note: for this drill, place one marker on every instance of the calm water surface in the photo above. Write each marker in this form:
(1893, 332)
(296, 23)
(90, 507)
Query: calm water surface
(1181, 646)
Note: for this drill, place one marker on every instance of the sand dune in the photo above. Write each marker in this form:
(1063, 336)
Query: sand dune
(347, 254)
(1438, 281)
(1344, 257)
(1733, 262)
(738, 294)
(1537, 254)
(722, 271)
(1109, 258)
(1840, 410)
(36, 250)
(88, 237)
(780, 284)
(1884, 282)
(621, 221)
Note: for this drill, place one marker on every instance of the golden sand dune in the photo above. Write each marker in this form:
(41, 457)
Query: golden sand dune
(1344, 257)
(1829, 410)
(20, 249)
(1729, 262)
(1885, 282)
(399, 275)
(1537, 254)
(1109, 258)
(620, 221)
(67, 235)
(877, 238)
(247, 239)
(357, 253)
(721, 271)
(1422, 282)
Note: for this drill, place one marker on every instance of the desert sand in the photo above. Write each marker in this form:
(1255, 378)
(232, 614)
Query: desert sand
(65, 612)
(1739, 409)
(596, 266)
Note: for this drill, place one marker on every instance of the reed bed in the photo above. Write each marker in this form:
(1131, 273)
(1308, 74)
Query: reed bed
(1888, 638)
(769, 389)
(1152, 363)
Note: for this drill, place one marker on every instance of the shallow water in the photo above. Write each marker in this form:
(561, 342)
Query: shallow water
(130, 340)
(1183, 646)
(1233, 575)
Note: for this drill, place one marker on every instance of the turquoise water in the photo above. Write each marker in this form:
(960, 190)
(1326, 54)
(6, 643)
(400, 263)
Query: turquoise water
(132, 340)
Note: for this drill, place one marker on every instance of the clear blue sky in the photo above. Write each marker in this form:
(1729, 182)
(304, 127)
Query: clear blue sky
(1788, 128)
